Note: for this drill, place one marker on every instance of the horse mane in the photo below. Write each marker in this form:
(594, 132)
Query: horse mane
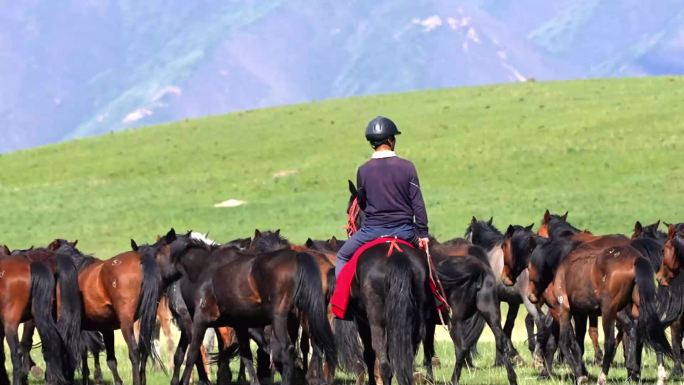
(547, 256)
(484, 234)
(266, 241)
(520, 241)
(651, 249)
(204, 238)
(560, 227)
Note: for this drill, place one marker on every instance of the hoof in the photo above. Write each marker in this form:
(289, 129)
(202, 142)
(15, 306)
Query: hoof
(37, 372)
(662, 375)
(582, 380)
(538, 362)
(517, 361)
(543, 376)
(419, 378)
(436, 363)
(601, 379)
(676, 371)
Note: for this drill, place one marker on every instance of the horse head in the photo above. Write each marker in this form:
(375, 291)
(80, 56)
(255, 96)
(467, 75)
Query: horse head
(673, 254)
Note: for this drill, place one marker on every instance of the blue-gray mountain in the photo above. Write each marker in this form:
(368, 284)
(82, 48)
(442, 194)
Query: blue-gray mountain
(78, 67)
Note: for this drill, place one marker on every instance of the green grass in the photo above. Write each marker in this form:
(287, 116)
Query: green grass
(609, 151)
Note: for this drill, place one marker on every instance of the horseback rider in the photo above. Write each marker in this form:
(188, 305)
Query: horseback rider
(388, 193)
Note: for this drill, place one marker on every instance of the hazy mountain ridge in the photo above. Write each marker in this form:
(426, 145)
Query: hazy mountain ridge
(78, 68)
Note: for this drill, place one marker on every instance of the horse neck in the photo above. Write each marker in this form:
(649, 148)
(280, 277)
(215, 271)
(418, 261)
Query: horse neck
(496, 260)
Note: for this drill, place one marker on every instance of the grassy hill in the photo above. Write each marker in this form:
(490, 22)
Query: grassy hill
(609, 151)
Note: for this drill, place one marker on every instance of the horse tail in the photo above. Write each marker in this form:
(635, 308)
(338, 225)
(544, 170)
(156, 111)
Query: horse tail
(649, 323)
(473, 327)
(69, 323)
(150, 291)
(310, 300)
(42, 295)
(402, 316)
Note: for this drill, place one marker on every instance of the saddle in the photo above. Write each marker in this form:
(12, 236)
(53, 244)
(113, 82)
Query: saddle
(340, 298)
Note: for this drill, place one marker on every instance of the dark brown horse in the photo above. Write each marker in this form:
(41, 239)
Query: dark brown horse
(602, 276)
(29, 280)
(471, 288)
(246, 290)
(117, 292)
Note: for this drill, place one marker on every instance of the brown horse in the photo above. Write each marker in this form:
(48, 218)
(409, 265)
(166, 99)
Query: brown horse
(247, 290)
(28, 282)
(556, 227)
(602, 276)
(673, 254)
(117, 292)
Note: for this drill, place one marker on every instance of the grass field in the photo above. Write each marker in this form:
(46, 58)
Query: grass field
(606, 150)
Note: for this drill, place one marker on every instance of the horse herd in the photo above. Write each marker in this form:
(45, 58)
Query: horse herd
(267, 291)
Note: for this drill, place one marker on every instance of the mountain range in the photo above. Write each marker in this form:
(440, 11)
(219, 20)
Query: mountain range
(83, 67)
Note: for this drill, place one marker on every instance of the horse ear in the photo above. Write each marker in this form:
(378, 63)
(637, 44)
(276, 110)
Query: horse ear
(655, 225)
(309, 243)
(54, 245)
(491, 219)
(638, 228)
(473, 220)
(509, 231)
(170, 236)
(277, 233)
(257, 233)
(74, 243)
(6, 250)
(565, 216)
(134, 245)
(158, 238)
(547, 216)
(671, 231)
(352, 188)
(530, 227)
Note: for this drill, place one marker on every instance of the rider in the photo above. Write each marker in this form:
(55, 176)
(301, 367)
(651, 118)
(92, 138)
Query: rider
(388, 193)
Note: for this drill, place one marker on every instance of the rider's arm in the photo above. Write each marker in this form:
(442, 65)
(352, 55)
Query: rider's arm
(360, 190)
(418, 205)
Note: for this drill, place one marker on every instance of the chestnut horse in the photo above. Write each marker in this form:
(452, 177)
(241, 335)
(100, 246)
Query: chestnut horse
(117, 292)
(244, 290)
(28, 282)
(601, 276)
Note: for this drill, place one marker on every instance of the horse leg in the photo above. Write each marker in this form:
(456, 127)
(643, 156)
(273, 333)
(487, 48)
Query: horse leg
(511, 315)
(487, 305)
(631, 345)
(282, 348)
(27, 344)
(593, 335)
(133, 352)
(608, 318)
(178, 356)
(4, 378)
(568, 344)
(529, 328)
(16, 352)
(676, 332)
(429, 348)
(580, 333)
(108, 338)
(368, 351)
(246, 353)
(85, 370)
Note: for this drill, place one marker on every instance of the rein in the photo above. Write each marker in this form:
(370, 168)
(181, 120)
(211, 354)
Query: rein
(352, 215)
(440, 293)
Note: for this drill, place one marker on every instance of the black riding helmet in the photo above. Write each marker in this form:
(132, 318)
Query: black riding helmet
(380, 129)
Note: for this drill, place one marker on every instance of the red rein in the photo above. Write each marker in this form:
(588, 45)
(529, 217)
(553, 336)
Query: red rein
(352, 215)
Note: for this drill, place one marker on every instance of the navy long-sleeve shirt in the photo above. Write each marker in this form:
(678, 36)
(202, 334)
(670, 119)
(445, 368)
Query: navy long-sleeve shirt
(389, 194)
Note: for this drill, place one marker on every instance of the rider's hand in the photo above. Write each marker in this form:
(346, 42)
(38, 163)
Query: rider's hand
(423, 243)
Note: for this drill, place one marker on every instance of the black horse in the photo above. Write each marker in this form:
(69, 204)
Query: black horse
(244, 290)
(390, 303)
(471, 289)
